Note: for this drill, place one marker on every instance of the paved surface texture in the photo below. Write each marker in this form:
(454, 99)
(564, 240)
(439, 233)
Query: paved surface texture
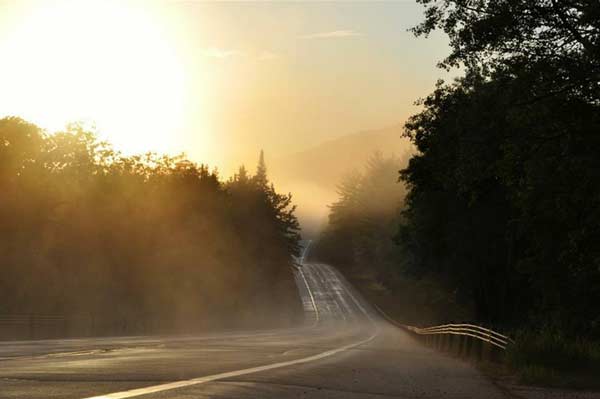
(343, 351)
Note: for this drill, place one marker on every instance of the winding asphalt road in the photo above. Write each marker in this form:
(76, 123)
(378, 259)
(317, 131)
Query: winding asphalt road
(344, 350)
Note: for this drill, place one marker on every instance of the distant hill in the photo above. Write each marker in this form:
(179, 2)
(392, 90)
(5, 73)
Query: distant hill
(312, 175)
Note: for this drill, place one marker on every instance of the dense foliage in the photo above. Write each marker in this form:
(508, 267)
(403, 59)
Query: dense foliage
(137, 244)
(505, 191)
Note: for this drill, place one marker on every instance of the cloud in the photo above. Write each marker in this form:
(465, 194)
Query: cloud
(215, 52)
(332, 34)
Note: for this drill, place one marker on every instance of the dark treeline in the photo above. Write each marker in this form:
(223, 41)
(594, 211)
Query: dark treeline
(505, 192)
(138, 244)
(503, 202)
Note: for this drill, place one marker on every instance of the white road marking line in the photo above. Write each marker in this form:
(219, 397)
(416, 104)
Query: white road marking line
(202, 380)
(312, 298)
(310, 294)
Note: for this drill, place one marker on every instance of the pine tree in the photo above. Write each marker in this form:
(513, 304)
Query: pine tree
(241, 175)
(261, 172)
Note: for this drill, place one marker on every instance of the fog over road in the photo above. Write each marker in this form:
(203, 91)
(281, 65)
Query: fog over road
(344, 350)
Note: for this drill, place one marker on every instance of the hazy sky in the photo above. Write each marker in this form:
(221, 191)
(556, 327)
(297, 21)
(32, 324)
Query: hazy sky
(216, 80)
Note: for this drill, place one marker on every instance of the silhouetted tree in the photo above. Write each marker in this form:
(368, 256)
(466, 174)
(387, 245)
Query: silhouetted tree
(505, 192)
(143, 243)
(260, 177)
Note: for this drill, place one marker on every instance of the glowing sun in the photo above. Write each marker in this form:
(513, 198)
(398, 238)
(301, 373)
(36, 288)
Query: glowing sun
(105, 62)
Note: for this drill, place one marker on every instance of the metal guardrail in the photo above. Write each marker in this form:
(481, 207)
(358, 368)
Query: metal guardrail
(470, 330)
(468, 340)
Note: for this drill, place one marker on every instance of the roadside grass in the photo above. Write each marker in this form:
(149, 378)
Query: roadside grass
(548, 358)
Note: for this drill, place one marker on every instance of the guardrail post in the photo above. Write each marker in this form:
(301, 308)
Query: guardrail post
(494, 354)
(459, 346)
(447, 342)
(477, 347)
(486, 351)
(468, 347)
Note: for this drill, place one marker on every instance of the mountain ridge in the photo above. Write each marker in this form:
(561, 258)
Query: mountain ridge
(312, 175)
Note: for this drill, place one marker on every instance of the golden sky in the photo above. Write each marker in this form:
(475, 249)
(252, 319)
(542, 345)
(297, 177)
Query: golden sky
(218, 81)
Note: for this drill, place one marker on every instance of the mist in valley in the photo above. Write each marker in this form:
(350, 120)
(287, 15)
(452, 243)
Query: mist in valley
(313, 176)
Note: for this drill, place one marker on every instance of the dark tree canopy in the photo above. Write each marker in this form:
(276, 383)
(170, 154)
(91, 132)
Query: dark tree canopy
(558, 38)
(505, 190)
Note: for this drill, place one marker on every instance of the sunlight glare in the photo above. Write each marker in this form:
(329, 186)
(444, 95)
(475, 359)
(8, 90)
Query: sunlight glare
(104, 62)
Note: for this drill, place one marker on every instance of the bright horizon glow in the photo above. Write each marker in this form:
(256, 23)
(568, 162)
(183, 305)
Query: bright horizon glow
(105, 63)
(188, 76)
(218, 81)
